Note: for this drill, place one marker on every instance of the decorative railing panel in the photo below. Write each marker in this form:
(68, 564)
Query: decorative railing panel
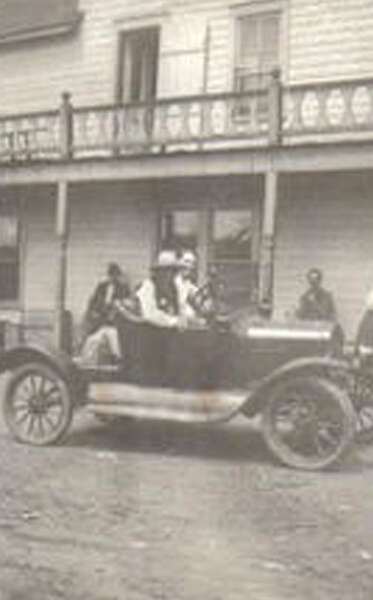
(30, 137)
(328, 108)
(284, 115)
(168, 124)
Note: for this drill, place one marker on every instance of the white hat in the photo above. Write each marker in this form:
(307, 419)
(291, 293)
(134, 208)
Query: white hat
(166, 258)
(188, 259)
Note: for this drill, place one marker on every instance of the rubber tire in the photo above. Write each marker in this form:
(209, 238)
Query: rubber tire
(14, 380)
(332, 394)
(364, 435)
(353, 382)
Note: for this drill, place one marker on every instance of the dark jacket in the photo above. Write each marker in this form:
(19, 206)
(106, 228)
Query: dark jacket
(100, 306)
(316, 305)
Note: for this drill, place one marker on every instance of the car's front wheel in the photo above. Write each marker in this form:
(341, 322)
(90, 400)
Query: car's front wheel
(308, 422)
(37, 405)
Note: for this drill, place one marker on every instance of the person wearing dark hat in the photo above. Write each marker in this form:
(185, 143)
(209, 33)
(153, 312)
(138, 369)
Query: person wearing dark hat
(316, 304)
(157, 295)
(101, 335)
(113, 289)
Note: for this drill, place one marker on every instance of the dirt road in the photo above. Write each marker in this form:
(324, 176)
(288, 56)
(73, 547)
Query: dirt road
(143, 511)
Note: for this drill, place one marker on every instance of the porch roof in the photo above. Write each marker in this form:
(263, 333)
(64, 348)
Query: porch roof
(27, 19)
(307, 158)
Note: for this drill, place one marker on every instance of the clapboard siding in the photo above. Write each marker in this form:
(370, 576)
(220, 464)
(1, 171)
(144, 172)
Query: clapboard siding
(39, 265)
(331, 39)
(116, 224)
(110, 223)
(324, 39)
(325, 222)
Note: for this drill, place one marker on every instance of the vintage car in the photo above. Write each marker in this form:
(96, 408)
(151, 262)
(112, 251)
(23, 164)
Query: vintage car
(201, 374)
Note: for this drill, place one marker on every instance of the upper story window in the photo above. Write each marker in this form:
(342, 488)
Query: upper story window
(257, 48)
(138, 65)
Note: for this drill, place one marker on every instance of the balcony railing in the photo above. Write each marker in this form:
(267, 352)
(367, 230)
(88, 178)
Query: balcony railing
(323, 112)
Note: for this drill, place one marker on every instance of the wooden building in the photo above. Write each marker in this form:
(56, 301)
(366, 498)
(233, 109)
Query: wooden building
(242, 130)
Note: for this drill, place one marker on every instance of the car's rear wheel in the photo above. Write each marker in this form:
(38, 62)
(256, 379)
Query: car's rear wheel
(358, 384)
(308, 422)
(361, 393)
(37, 405)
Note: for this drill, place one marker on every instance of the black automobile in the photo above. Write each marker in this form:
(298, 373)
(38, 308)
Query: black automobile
(208, 373)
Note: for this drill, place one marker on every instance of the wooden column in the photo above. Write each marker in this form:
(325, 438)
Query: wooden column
(66, 126)
(62, 226)
(275, 109)
(268, 243)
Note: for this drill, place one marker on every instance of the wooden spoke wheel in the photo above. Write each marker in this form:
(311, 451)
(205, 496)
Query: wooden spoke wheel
(308, 422)
(361, 393)
(37, 405)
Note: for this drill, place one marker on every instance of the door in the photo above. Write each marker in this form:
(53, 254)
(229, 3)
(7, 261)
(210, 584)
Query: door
(138, 65)
(226, 243)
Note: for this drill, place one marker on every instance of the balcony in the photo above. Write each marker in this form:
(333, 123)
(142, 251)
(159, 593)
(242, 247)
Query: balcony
(340, 111)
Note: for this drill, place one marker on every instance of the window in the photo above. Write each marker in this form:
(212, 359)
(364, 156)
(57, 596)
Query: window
(224, 241)
(180, 230)
(138, 65)
(231, 254)
(9, 251)
(257, 49)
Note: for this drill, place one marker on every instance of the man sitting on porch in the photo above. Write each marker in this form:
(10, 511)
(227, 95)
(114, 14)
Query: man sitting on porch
(316, 304)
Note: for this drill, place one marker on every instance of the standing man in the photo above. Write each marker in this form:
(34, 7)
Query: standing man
(316, 304)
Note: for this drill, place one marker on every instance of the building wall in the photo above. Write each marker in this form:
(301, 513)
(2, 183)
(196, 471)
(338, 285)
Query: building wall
(330, 39)
(112, 222)
(325, 221)
(39, 252)
(109, 224)
(321, 42)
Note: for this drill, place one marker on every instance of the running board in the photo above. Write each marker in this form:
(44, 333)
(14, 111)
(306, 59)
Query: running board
(164, 403)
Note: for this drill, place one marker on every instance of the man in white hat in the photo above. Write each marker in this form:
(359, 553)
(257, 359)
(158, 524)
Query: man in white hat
(157, 295)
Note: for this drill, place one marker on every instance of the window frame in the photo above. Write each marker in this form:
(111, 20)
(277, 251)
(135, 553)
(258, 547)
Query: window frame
(205, 256)
(255, 9)
(127, 24)
(133, 33)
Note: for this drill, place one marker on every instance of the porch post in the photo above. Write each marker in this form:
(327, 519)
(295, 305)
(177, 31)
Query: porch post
(62, 238)
(268, 243)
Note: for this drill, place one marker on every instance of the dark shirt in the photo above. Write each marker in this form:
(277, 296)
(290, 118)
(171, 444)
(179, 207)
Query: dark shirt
(101, 304)
(316, 305)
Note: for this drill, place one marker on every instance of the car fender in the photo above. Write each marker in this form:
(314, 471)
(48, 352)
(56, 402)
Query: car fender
(321, 366)
(56, 359)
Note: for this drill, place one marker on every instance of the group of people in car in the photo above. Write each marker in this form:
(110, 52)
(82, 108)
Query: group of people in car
(168, 297)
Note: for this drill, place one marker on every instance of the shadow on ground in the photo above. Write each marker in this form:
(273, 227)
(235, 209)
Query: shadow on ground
(237, 441)
(219, 441)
